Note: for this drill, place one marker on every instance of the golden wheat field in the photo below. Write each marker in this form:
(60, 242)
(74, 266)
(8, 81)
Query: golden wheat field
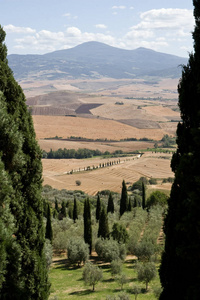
(51, 126)
(130, 169)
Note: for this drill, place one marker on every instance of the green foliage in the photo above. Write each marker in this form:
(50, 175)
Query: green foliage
(179, 272)
(110, 207)
(23, 259)
(146, 272)
(122, 279)
(77, 251)
(143, 195)
(169, 179)
(119, 233)
(63, 212)
(75, 211)
(138, 184)
(152, 181)
(48, 250)
(87, 224)
(49, 231)
(167, 141)
(109, 250)
(136, 290)
(103, 231)
(116, 267)
(157, 198)
(124, 199)
(92, 275)
(145, 250)
(98, 208)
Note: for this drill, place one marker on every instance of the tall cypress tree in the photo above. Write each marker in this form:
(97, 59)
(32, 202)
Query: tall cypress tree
(87, 224)
(143, 195)
(25, 277)
(110, 207)
(98, 208)
(75, 212)
(103, 230)
(56, 205)
(49, 231)
(179, 271)
(124, 199)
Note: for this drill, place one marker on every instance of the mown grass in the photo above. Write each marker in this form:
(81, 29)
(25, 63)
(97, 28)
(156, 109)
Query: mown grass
(67, 283)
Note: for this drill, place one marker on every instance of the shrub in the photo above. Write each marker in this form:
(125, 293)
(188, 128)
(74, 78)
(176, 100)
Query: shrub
(116, 267)
(92, 274)
(48, 252)
(146, 272)
(119, 233)
(78, 182)
(77, 251)
(152, 181)
(144, 250)
(157, 198)
(109, 250)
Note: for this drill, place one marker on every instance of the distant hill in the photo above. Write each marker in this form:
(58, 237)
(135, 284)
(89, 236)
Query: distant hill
(96, 60)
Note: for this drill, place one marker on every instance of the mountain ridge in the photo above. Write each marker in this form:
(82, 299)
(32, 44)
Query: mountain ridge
(96, 60)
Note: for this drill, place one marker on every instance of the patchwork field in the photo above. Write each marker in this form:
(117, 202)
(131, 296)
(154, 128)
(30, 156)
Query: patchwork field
(56, 172)
(106, 109)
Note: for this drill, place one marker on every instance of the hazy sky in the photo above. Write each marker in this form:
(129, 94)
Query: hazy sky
(41, 26)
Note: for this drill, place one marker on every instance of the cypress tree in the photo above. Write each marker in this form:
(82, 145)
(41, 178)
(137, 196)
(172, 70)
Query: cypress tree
(56, 205)
(179, 271)
(63, 212)
(124, 199)
(129, 204)
(75, 212)
(98, 208)
(143, 195)
(103, 230)
(87, 224)
(110, 207)
(25, 272)
(49, 231)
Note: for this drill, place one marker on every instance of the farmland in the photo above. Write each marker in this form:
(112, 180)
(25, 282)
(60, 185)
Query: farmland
(107, 114)
(56, 172)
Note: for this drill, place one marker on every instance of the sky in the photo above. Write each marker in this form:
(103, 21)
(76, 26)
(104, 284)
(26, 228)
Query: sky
(42, 26)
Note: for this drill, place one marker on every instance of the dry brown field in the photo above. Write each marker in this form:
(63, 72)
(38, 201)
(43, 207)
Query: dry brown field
(147, 112)
(130, 169)
(47, 145)
(65, 127)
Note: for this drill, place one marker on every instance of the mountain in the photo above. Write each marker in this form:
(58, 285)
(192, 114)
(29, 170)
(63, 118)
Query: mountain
(96, 60)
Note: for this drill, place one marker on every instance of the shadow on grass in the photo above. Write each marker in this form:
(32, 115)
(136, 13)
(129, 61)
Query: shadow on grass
(64, 264)
(82, 293)
(108, 280)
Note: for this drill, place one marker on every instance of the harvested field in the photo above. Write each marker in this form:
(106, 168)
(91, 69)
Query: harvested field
(129, 169)
(54, 144)
(51, 126)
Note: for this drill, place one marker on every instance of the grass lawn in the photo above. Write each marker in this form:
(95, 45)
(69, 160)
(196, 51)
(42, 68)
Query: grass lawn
(67, 283)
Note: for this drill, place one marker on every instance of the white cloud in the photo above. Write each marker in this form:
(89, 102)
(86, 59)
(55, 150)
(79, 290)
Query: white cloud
(159, 27)
(119, 7)
(170, 19)
(73, 32)
(161, 30)
(68, 15)
(101, 26)
(14, 29)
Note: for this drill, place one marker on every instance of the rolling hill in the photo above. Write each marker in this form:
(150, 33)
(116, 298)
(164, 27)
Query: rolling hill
(94, 60)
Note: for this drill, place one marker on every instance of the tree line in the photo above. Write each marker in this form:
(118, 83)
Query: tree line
(78, 154)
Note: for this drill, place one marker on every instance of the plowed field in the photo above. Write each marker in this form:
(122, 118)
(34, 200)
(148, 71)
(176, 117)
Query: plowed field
(130, 169)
